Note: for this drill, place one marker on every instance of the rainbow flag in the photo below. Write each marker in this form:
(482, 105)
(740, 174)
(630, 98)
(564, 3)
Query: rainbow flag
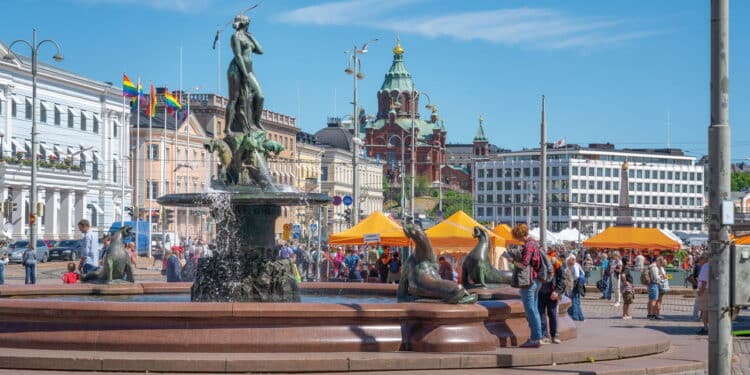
(128, 88)
(151, 108)
(171, 101)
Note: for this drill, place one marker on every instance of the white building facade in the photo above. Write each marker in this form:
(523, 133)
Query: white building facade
(336, 180)
(665, 189)
(82, 173)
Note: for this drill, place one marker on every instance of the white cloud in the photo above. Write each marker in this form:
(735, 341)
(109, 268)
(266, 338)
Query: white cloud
(534, 27)
(184, 6)
(340, 13)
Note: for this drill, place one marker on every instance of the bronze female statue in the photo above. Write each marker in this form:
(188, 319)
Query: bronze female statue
(245, 95)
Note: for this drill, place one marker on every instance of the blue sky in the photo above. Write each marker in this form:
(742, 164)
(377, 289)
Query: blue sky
(611, 71)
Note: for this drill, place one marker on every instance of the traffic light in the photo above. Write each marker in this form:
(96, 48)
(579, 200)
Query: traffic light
(348, 215)
(170, 217)
(129, 210)
(32, 219)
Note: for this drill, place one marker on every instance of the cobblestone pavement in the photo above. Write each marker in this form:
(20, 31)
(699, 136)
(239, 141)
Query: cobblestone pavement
(677, 311)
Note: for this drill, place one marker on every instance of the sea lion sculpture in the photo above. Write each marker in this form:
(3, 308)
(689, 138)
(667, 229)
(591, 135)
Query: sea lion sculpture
(420, 277)
(116, 264)
(477, 267)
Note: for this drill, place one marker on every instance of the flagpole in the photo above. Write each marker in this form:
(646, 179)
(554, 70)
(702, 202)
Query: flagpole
(122, 163)
(150, 165)
(136, 207)
(162, 165)
(187, 158)
(174, 173)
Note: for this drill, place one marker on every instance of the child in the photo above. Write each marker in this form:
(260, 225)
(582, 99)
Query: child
(71, 277)
(628, 293)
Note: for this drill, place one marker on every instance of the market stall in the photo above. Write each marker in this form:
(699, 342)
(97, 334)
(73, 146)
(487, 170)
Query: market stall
(375, 229)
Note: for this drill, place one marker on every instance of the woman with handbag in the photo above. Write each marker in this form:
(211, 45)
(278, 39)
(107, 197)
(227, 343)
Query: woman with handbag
(526, 278)
(575, 311)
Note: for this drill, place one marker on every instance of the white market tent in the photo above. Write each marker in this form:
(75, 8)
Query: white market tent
(552, 238)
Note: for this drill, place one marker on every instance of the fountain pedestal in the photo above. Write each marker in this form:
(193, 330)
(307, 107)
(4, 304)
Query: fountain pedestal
(244, 268)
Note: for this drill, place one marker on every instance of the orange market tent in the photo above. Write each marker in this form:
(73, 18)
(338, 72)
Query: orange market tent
(505, 231)
(457, 233)
(377, 227)
(632, 238)
(742, 240)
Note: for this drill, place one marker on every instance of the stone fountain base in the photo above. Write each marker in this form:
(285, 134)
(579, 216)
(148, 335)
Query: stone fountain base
(244, 268)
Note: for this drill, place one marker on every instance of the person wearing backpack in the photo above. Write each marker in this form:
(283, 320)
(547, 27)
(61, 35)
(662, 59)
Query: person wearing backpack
(579, 281)
(530, 258)
(549, 296)
(29, 263)
(650, 278)
(606, 281)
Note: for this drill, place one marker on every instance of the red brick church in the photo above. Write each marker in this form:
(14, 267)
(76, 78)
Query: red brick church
(388, 137)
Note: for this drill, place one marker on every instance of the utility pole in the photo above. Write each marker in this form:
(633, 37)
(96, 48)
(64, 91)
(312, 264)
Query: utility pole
(543, 183)
(719, 156)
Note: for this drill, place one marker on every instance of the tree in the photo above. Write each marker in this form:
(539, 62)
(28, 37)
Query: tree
(454, 202)
(740, 181)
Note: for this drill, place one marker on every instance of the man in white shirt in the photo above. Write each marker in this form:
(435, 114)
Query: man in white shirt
(703, 278)
(89, 247)
(640, 260)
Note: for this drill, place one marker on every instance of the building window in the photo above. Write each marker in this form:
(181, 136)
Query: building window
(95, 126)
(71, 119)
(114, 170)
(28, 109)
(480, 211)
(42, 113)
(575, 184)
(583, 171)
(616, 185)
(153, 152)
(480, 186)
(58, 116)
(481, 173)
(94, 169)
(615, 172)
(489, 173)
(152, 189)
(607, 185)
(1, 107)
(83, 121)
(607, 172)
(14, 108)
(324, 173)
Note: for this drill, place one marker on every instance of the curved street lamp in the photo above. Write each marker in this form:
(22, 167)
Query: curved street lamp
(34, 46)
(433, 108)
(355, 70)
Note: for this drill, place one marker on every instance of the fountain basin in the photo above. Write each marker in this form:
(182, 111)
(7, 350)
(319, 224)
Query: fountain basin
(234, 327)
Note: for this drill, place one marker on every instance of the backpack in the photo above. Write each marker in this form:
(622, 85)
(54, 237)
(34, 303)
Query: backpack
(394, 265)
(646, 276)
(546, 271)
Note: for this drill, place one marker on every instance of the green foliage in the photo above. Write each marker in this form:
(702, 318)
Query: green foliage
(740, 181)
(421, 186)
(453, 202)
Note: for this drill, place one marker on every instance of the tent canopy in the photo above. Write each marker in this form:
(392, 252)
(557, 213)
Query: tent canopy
(551, 237)
(632, 238)
(390, 232)
(742, 240)
(457, 231)
(505, 231)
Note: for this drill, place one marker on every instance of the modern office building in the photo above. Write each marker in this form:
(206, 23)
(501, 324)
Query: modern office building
(82, 169)
(665, 188)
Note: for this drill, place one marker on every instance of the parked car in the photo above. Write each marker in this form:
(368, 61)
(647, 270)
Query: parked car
(50, 243)
(66, 250)
(16, 249)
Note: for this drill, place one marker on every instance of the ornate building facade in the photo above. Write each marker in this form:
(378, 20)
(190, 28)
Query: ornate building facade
(82, 171)
(388, 137)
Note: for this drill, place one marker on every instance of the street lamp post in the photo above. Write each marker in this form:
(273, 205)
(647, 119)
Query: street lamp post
(34, 46)
(414, 143)
(355, 71)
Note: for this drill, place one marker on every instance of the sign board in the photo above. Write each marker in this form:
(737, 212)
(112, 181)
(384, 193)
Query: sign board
(727, 213)
(296, 228)
(287, 227)
(336, 200)
(348, 200)
(739, 275)
(314, 227)
(295, 235)
(372, 238)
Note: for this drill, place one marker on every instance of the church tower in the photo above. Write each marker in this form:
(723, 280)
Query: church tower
(481, 143)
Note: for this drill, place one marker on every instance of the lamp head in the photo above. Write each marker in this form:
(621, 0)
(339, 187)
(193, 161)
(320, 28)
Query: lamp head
(349, 70)
(58, 57)
(360, 75)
